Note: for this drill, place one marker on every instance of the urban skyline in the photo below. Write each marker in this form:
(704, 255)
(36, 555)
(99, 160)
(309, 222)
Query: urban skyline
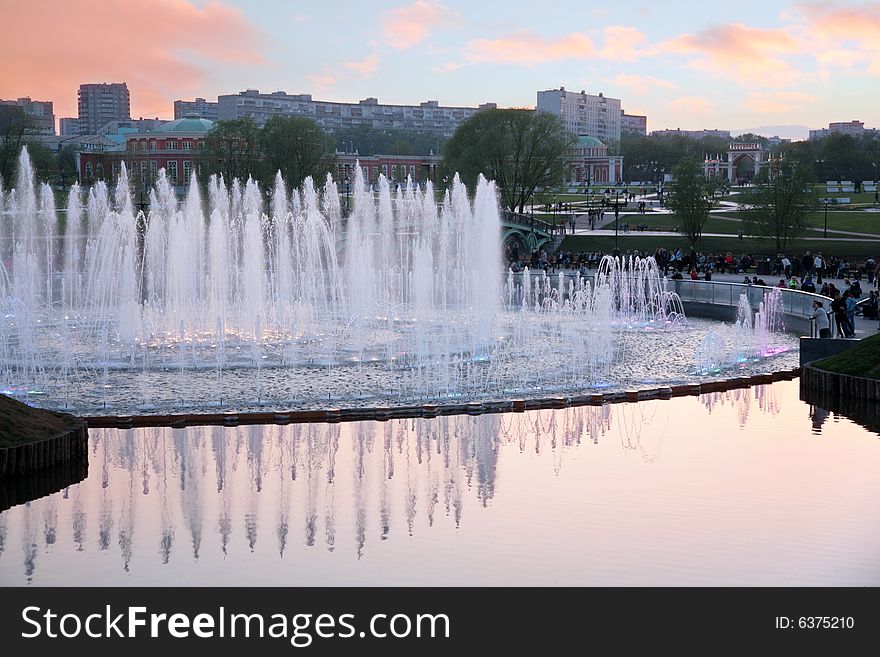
(730, 68)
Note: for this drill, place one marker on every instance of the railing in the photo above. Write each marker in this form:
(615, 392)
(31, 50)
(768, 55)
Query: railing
(528, 220)
(720, 293)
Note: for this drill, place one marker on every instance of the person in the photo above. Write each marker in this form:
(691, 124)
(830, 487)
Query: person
(820, 316)
(871, 306)
(677, 275)
(793, 283)
(819, 266)
(826, 290)
(870, 266)
(708, 275)
(694, 275)
(850, 312)
(838, 307)
(855, 289)
(747, 281)
(807, 263)
(781, 283)
(786, 266)
(808, 285)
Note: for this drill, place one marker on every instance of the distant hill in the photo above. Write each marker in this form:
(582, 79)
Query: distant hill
(793, 132)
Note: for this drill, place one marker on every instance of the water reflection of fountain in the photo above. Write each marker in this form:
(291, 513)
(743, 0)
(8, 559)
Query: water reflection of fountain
(767, 397)
(237, 490)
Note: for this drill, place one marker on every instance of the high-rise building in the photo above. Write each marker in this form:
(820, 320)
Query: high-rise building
(692, 134)
(39, 114)
(200, 107)
(101, 103)
(633, 123)
(854, 128)
(428, 116)
(583, 113)
(68, 126)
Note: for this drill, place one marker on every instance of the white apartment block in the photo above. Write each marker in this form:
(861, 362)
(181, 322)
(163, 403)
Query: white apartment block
(428, 116)
(583, 113)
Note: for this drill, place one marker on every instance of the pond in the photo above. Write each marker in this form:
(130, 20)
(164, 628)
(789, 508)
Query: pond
(743, 487)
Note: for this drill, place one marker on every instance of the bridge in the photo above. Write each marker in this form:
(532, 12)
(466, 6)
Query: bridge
(525, 232)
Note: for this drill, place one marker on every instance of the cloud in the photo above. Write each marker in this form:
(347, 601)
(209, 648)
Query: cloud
(405, 27)
(323, 80)
(161, 48)
(642, 83)
(749, 54)
(690, 105)
(447, 67)
(365, 67)
(844, 37)
(622, 43)
(527, 49)
(778, 101)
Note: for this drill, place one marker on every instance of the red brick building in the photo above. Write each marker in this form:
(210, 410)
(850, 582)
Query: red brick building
(175, 146)
(395, 168)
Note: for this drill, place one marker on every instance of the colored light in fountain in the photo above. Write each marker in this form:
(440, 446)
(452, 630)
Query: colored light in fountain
(407, 293)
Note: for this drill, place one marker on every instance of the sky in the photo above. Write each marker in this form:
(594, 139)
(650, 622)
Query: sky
(719, 65)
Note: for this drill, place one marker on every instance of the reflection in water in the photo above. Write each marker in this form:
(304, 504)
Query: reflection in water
(766, 396)
(172, 496)
(858, 409)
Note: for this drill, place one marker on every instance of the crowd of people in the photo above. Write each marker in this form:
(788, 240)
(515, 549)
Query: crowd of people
(809, 273)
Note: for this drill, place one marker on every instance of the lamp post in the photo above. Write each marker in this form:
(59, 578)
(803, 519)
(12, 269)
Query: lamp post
(825, 201)
(616, 206)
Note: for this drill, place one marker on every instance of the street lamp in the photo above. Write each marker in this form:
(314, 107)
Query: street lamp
(616, 205)
(825, 201)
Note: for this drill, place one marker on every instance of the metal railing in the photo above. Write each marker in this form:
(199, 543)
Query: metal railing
(721, 293)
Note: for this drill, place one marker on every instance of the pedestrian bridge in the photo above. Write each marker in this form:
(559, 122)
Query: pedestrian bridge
(524, 232)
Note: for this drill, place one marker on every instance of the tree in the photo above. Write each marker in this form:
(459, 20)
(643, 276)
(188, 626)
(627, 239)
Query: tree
(522, 150)
(690, 196)
(780, 202)
(232, 149)
(13, 128)
(298, 148)
(67, 166)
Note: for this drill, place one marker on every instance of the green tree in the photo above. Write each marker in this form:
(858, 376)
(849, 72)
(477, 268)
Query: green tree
(13, 128)
(67, 166)
(232, 149)
(690, 196)
(780, 202)
(298, 148)
(522, 150)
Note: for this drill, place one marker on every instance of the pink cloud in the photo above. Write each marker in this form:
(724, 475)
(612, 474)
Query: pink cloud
(527, 49)
(642, 83)
(622, 42)
(690, 105)
(779, 101)
(365, 67)
(845, 37)
(750, 54)
(148, 44)
(405, 27)
(448, 67)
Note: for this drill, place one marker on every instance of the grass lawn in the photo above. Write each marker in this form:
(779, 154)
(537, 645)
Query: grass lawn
(753, 246)
(21, 424)
(670, 222)
(861, 360)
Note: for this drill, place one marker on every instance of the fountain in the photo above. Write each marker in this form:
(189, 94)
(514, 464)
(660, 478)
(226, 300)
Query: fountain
(221, 302)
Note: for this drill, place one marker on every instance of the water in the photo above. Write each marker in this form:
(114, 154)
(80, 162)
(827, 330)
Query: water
(238, 297)
(744, 487)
